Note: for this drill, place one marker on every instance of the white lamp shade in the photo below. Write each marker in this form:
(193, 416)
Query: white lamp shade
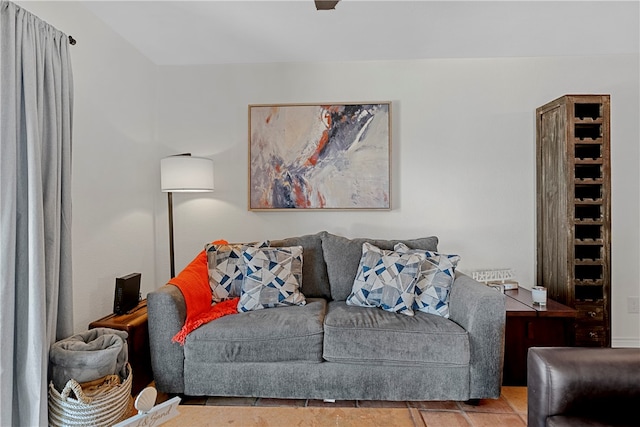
(186, 174)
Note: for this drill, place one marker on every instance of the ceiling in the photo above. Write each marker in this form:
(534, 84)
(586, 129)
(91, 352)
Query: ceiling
(240, 31)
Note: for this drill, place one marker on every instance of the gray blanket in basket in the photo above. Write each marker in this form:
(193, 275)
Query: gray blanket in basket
(88, 356)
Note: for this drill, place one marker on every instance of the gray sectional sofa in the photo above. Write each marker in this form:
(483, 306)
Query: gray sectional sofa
(327, 349)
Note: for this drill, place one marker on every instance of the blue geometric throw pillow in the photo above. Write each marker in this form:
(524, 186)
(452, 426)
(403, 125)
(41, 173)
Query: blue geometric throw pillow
(434, 282)
(225, 269)
(386, 279)
(272, 278)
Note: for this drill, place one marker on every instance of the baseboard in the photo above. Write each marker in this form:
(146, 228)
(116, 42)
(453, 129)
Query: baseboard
(625, 342)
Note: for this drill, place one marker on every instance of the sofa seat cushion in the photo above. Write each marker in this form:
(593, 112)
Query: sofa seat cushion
(291, 334)
(361, 335)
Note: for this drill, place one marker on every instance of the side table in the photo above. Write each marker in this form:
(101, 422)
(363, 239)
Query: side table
(135, 324)
(530, 325)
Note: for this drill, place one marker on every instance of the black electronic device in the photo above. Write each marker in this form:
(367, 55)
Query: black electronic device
(127, 293)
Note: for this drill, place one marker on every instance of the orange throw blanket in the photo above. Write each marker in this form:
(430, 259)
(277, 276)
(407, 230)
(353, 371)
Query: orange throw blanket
(193, 282)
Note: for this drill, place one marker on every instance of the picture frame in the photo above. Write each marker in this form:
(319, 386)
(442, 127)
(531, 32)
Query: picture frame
(324, 156)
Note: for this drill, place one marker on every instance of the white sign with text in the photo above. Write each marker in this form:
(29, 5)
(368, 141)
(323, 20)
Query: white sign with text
(156, 416)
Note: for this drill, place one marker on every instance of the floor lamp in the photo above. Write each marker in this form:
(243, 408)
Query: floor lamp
(183, 174)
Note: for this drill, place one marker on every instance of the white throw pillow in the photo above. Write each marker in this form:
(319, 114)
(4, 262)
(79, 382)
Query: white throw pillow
(272, 278)
(434, 282)
(385, 279)
(225, 269)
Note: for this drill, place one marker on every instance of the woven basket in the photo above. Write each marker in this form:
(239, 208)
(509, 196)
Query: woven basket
(104, 402)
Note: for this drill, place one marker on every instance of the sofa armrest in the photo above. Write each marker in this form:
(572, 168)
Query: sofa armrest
(591, 383)
(167, 313)
(480, 310)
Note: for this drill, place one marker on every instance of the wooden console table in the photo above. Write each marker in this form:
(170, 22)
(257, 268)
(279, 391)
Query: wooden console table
(530, 325)
(135, 324)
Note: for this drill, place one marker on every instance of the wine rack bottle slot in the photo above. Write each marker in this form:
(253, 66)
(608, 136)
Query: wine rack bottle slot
(588, 151)
(588, 293)
(588, 191)
(588, 171)
(587, 111)
(588, 272)
(592, 212)
(587, 131)
(590, 232)
(592, 252)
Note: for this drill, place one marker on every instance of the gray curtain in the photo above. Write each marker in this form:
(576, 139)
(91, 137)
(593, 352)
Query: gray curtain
(36, 97)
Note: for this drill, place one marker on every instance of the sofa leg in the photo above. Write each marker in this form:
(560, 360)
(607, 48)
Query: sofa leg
(473, 402)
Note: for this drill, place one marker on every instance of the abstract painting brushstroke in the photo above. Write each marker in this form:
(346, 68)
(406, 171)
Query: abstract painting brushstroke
(306, 156)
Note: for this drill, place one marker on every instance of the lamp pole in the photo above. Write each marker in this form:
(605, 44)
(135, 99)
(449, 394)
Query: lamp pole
(171, 256)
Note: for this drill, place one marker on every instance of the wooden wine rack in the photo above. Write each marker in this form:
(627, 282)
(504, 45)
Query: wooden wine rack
(574, 210)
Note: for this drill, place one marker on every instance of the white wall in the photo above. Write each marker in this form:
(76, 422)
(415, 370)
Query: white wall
(463, 156)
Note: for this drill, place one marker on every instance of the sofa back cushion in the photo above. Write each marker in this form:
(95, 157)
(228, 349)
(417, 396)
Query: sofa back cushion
(315, 282)
(342, 257)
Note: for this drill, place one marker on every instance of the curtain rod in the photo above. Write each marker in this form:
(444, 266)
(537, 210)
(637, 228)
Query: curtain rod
(72, 41)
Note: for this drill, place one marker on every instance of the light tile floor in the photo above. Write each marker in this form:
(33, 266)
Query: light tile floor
(509, 410)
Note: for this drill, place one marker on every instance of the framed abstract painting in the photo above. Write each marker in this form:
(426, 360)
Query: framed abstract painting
(320, 156)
